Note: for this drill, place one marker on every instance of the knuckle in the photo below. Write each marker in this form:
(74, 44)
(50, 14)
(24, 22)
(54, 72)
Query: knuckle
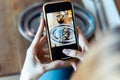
(75, 53)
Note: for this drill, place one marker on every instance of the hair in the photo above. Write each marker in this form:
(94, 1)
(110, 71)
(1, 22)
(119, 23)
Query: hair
(103, 60)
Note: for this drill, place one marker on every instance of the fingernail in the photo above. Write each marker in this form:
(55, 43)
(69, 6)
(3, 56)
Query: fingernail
(66, 51)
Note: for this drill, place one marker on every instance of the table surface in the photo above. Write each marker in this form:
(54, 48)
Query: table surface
(12, 45)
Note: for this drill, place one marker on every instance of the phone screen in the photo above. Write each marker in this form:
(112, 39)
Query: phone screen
(61, 31)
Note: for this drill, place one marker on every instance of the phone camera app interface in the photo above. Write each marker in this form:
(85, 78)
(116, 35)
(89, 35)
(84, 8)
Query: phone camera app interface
(61, 28)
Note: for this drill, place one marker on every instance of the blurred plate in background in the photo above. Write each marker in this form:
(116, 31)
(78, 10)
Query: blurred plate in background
(29, 20)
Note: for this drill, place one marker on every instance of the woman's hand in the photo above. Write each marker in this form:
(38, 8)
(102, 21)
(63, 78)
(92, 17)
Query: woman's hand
(33, 67)
(83, 44)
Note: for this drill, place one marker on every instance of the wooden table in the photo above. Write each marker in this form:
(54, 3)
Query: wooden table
(118, 5)
(12, 45)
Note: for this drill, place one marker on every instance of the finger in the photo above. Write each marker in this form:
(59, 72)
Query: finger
(43, 52)
(39, 33)
(54, 65)
(73, 53)
(46, 51)
(45, 59)
(83, 43)
(74, 65)
(43, 41)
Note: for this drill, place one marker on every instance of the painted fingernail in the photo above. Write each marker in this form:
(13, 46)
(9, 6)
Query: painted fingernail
(66, 51)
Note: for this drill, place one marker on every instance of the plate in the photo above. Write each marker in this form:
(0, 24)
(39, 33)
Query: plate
(29, 20)
(62, 34)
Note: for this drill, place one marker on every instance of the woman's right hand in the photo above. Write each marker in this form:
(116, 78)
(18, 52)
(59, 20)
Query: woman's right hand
(33, 66)
(83, 44)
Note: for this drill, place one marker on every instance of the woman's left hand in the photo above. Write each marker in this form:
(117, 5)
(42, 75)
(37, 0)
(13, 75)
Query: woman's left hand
(83, 44)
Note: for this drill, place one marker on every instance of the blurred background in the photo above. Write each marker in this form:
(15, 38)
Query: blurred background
(16, 34)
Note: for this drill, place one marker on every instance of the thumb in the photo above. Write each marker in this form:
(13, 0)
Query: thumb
(54, 65)
(73, 53)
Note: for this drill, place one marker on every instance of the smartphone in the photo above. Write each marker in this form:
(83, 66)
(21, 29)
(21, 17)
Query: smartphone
(60, 28)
